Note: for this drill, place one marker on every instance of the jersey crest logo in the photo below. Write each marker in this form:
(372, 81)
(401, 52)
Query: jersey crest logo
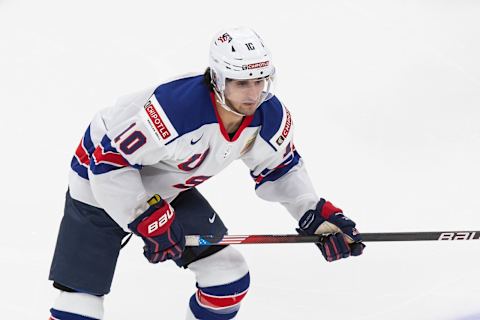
(249, 144)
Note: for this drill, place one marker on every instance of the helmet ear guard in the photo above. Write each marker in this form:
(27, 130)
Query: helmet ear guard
(239, 53)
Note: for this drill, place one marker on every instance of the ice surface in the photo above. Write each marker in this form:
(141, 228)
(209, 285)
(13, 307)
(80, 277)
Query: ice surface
(385, 97)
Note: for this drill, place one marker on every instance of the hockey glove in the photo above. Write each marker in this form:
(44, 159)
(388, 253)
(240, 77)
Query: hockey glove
(341, 237)
(163, 235)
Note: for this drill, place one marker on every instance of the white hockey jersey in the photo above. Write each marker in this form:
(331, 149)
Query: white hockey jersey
(170, 138)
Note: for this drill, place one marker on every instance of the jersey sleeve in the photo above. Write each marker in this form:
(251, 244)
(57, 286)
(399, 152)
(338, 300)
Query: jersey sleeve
(135, 134)
(277, 168)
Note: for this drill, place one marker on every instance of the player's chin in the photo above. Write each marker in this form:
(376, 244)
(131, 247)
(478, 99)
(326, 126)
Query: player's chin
(249, 109)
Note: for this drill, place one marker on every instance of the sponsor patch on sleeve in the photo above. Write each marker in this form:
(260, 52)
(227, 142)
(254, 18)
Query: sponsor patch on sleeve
(285, 127)
(158, 121)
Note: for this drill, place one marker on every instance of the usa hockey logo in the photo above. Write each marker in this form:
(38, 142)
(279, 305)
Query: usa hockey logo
(225, 38)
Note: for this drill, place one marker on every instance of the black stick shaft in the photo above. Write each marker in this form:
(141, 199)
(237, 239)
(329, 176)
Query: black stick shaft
(209, 240)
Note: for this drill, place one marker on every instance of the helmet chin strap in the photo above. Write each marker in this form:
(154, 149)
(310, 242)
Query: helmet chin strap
(221, 99)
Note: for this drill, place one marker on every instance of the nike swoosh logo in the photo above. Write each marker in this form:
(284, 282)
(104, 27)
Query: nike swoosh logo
(193, 142)
(212, 218)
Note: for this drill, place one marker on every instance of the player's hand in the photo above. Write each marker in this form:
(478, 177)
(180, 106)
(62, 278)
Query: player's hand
(163, 236)
(341, 240)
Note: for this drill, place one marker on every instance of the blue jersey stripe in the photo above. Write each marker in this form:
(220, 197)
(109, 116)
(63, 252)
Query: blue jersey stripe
(88, 145)
(101, 162)
(87, 142)
(278, 172)
(79, 168)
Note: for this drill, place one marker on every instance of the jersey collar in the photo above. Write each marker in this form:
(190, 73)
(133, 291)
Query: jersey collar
(245, 122)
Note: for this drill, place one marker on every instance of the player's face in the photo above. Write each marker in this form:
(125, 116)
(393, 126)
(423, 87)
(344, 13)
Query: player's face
(244, 96)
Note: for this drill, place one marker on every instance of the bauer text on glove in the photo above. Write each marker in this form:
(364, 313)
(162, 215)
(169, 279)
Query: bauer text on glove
(163, 235)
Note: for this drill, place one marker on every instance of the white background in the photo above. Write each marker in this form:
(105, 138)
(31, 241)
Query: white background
(385, 97)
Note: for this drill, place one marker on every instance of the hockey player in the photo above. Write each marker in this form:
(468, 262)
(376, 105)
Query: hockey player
(137, 166)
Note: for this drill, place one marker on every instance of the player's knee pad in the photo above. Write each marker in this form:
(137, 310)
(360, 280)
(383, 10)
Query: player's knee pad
(222, 281)
(222, 267)
(77, 306)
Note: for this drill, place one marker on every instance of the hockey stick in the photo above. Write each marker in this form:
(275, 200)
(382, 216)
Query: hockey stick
(210, 240)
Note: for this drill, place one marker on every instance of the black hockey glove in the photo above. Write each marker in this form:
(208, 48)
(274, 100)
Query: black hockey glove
(341, 240)
(163, 235)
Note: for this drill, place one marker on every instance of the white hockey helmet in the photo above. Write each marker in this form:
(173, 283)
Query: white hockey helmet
(239, 53)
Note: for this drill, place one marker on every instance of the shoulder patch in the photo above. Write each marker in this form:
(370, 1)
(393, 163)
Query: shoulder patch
(276, 123)
(281, 135)
(158, 122)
